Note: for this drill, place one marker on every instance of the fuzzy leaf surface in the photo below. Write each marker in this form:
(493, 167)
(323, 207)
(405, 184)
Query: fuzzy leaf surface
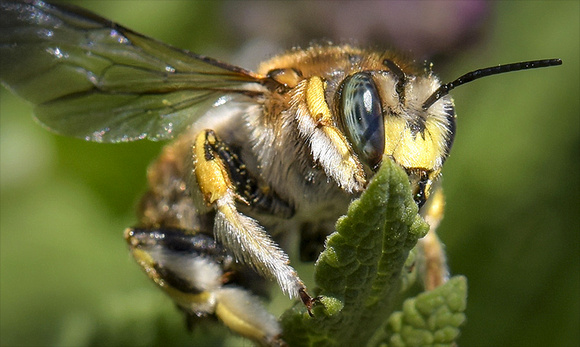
(359, 272)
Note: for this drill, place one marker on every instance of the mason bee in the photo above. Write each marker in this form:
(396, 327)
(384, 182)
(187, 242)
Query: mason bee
(255, 155)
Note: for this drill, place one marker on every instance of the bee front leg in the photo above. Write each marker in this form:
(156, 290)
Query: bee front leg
(240, 234)
(432, 260)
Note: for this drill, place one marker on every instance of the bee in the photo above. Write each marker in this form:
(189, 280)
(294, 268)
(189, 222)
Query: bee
(253, 156)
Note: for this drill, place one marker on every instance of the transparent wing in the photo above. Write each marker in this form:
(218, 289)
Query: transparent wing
(93, 79)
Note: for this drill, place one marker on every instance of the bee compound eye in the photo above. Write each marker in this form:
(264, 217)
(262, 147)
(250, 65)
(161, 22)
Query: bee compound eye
(362, 117)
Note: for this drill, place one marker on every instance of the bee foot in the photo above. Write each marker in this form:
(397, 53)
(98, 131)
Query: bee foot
(307, 300)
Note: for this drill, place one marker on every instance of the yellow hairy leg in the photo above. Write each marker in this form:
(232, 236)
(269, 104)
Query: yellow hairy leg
(211, 174)
(240, 234)
(433, 262)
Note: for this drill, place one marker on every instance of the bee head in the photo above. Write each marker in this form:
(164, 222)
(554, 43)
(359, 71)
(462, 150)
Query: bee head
(354, 107)
(409, 117)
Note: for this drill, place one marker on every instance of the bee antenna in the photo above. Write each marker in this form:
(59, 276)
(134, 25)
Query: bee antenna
(401, 76)
(488, 71)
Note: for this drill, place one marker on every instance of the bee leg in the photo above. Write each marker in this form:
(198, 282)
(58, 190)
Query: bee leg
(240, 234)
(190, 268)
(432, 260)
(191, 319)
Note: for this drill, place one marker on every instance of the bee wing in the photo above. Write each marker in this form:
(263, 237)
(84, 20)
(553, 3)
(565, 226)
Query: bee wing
(93, 79)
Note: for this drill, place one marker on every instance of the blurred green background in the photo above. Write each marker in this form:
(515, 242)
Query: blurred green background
(512, 186)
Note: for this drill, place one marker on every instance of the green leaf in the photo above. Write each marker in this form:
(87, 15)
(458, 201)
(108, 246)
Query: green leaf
(359, 272)
(430, 319)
